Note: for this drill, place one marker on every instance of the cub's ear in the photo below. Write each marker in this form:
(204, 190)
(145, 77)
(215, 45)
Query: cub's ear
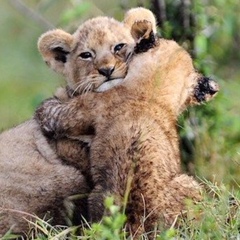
(142, 23)
(138, 15)
(141, 30)
(144, 36)
(54, 47)
(205, 90)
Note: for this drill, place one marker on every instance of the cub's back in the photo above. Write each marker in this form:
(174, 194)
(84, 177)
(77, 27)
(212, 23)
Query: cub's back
(32, 182)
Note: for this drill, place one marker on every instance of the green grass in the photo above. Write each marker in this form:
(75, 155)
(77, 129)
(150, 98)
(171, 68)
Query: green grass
(18, 103)
(216, 217)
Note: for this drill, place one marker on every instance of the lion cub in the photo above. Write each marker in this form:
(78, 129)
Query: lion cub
(34, 180)
(98, 62)
(95, 57)
(136, 141)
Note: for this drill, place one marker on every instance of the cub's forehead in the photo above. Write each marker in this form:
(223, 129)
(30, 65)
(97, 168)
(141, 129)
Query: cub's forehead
(102, 30)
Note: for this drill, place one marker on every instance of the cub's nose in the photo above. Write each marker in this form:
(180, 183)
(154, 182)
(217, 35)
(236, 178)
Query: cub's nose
(106, 71)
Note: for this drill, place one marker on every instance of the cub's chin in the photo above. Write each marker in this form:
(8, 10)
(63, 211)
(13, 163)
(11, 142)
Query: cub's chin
(109, 84)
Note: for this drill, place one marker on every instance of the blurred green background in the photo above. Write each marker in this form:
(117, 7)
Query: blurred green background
(211, 32)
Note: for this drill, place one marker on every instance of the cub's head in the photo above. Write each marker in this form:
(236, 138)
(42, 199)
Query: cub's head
(98, 52)
(95, 53)
(183, 84)
(166, 74)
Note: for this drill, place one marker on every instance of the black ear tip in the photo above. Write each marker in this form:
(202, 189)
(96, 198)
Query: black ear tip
(144, 44)
(210, 85)
(213, 87)
(205, 88)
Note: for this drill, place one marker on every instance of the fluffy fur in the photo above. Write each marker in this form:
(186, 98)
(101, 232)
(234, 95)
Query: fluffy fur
(136, 142)
(97, 53)
(33, 178)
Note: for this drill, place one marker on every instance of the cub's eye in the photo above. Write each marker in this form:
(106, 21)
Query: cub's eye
(118, 47)
(85, 55)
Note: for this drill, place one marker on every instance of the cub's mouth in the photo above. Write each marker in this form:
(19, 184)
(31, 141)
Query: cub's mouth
(108, 84)
(205, 90)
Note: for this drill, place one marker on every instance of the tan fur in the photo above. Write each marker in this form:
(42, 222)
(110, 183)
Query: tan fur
(139, 14)
(136, 138)
(33, 179)
(98, 37)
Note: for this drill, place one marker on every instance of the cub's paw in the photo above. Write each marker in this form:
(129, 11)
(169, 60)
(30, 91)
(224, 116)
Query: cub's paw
(96, 207)
(47, 116)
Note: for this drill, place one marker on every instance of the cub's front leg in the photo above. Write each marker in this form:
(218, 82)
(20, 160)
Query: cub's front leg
(59, 119)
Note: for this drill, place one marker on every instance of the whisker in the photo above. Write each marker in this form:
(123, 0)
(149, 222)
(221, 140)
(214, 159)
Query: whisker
(87, 88)
(129, 58)
(75, 90)
(90, 87)
(81, 87)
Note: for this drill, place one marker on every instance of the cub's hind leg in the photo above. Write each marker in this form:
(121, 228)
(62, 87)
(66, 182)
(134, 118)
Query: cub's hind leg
(176, 193)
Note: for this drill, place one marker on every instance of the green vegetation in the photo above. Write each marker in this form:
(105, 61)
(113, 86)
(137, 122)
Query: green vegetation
(214, 218)
(210, 134)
